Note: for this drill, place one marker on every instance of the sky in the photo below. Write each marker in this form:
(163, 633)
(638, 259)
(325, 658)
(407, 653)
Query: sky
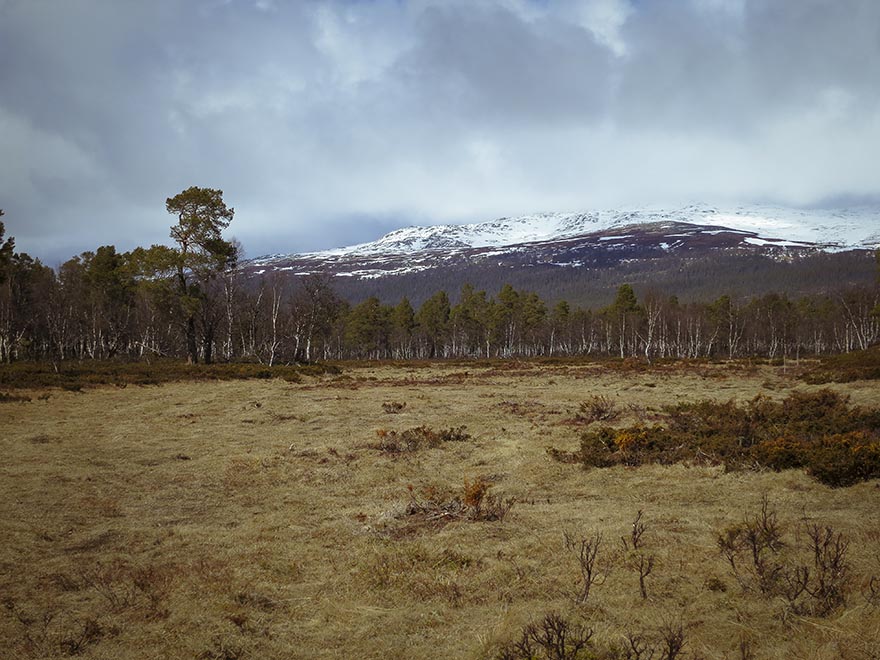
(328, 123)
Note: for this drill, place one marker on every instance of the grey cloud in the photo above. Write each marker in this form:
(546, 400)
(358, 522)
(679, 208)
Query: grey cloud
(324, 121)
(695, 65)
(684, 70)
(799, 48)
(489, 65)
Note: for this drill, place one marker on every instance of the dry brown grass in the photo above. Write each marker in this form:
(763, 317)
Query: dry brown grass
(251, 519)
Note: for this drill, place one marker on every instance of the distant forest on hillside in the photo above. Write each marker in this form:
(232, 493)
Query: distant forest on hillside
(691, 277)
(194, 301)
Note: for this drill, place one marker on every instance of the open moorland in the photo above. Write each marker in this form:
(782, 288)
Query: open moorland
(447, 510)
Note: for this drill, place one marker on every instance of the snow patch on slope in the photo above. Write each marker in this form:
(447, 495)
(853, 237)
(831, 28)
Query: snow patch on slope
(828, 229)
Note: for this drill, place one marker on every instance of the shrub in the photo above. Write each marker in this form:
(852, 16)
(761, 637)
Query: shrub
(845, 459)
(632, 445)
(454, 434)
(837, 443)
(847, 367)
(74, 376)
(481, 504)
(585, 550)
(597, 408)
(556, 638)
(817, 586)
(780, 454)
(552, 638)
(475, 502)
(416, 438)
(13, 398)
(752, 547)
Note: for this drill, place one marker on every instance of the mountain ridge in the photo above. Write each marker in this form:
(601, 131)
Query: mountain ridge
(695, 252)
(832, 229)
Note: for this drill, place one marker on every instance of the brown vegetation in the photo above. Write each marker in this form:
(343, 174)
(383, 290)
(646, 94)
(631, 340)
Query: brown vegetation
(253, 519)
(820, 431)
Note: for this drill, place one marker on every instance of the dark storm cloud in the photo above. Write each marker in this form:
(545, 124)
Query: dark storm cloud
(729, 66)
(325, 122)
(488, 65)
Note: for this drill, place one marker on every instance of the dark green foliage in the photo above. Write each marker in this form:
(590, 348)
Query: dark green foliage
(471, 320)
(837, 443)
(368, 329)
(433, 319)
(201, 257)
(7, 249)
(193, 300)
(625, 301)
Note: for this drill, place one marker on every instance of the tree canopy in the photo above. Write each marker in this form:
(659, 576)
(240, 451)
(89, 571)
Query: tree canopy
(202, 255)
(7, 248)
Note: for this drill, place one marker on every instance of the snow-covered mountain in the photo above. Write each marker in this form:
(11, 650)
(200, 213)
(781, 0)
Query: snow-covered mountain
(826, 229)
(695, 250)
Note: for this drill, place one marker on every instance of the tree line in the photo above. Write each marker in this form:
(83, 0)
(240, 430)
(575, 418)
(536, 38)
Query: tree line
(194, 301)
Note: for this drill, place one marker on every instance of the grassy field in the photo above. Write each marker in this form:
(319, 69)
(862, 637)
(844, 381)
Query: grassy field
(277, 519)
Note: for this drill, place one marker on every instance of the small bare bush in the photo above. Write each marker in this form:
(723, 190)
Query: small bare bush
(454, 434)
(634, 558)
(817, 587)
(51, 632)
(672, 641)
(563, 456)
(416, 438)
(112, 582)
(751, 548)
(555, 638)
(636, 647)
(872, 591)
(483, 504)
(830, 583)
(585, 549)
(551, 638)
(476, 502)
(636, 533)
(393, 407)
(81, 635)
(598, 408)
(644, 564)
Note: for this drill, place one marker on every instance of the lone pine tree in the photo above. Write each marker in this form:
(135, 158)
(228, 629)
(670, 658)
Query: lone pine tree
(201, 256)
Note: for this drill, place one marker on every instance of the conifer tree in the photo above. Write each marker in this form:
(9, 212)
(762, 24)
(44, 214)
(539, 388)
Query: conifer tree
(202, 254)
